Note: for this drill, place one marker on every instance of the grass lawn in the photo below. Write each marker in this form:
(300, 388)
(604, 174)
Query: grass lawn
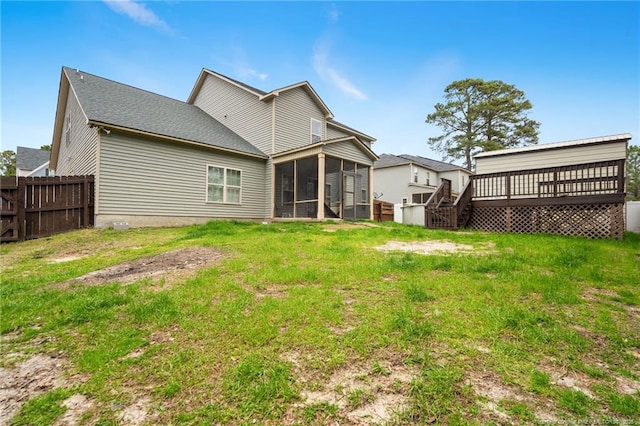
(308, 323)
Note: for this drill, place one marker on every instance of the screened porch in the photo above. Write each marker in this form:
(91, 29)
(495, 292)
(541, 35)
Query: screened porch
(322, 187)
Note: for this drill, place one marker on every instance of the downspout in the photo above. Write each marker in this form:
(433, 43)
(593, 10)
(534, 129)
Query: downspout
(272, 196)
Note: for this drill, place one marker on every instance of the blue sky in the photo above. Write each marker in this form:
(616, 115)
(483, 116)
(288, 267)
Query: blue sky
(379, 66)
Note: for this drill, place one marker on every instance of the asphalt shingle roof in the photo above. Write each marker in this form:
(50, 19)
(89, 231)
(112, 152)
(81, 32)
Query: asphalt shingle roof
(31, 158)
(106, 101)
(388, 160)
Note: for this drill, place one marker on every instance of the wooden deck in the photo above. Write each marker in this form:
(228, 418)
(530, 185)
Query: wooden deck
(583, 199)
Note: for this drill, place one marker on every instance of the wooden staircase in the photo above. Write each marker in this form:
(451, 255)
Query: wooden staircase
(442, 212)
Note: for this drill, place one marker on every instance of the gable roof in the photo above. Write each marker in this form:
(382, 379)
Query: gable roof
(108, 103)
(558, 145)
(31, 158)
(261, 94)
(390, 160)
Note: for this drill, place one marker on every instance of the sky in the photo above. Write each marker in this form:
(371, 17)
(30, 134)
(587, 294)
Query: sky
(379, 66)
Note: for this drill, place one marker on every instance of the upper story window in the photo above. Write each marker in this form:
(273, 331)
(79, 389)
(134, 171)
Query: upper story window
(316, 130)
(428, 176)
(223, 185)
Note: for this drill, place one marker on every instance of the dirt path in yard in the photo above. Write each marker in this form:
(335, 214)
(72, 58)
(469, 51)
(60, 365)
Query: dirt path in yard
(170, 266)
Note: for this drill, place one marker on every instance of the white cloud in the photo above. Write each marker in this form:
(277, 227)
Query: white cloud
(139, 13)
(334, 15)
(245, 72)
(243, 67)
(330, 74)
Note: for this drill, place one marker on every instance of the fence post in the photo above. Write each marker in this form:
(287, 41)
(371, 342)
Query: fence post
(85, 201)
(20, 202)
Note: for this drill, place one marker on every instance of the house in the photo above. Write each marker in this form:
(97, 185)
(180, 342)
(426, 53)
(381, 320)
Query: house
(231, 151)
(32, 162)
(570, 188)
(403, 179)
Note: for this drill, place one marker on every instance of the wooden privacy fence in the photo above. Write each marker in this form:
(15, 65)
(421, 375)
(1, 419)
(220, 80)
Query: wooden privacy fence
(35, 207)
(382, 211)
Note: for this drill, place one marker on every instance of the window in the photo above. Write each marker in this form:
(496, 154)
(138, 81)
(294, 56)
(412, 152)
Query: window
(404, 200)
(316, 130)
(428, 176)
(421, 198)
(223, 185)
(415, 176)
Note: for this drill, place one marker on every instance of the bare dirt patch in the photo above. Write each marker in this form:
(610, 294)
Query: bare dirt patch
(170, 266)
(33, 376)
(76, 406)
(489, 386)
(435, 247)
(136, 413)
(363, 396)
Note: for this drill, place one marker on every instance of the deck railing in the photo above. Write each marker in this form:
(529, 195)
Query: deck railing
(600, 178)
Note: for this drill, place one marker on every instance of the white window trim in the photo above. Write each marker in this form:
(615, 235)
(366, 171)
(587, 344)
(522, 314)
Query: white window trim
(224, 185)
(311, 134)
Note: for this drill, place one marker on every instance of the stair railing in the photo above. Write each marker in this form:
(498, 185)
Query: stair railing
(464, 199)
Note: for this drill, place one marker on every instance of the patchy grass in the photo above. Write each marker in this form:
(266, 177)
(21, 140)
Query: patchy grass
(308, 323)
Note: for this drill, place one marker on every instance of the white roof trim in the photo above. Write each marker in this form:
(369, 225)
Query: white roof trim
(350, 130)
(37, 169)
(200, 82)
(556, 145)
(305, 85)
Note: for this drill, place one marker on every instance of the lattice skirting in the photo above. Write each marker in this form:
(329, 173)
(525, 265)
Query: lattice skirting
(587, 220)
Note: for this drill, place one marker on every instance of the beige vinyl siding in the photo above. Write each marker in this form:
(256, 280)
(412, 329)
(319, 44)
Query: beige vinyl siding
(268, 189)
(333, 133)
(348, 151)
(294, 111)
(237, 109)
(392, 182)
(144, 176)
(551, 157)
(79, 156)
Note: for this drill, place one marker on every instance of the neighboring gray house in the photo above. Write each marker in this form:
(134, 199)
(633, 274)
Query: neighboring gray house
(404, 179)
(231, 151)
(31, 162)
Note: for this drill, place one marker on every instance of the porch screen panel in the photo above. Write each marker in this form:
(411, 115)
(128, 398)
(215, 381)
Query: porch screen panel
(307, 187)
(332, 186)
(284, 190)
(362, 192)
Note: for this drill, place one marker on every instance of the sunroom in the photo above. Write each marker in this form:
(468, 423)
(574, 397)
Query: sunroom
(329, 179)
